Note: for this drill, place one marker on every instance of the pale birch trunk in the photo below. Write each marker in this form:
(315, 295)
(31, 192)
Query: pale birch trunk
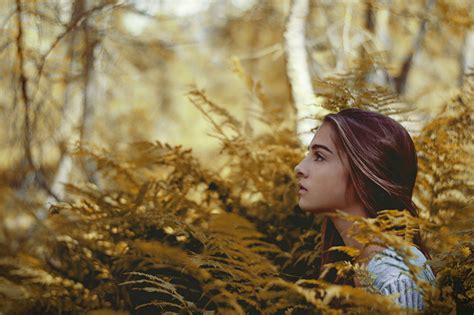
(468, 54)
(382, 41)
(70, 115)
(307, 105)
(75, 123)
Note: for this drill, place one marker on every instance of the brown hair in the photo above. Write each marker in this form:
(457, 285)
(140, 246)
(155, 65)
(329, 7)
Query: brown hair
(383, 169)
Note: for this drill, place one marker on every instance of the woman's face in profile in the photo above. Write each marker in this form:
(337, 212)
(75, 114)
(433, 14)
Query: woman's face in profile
(324, 175)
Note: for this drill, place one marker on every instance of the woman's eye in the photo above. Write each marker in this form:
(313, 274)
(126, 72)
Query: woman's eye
(319, 157)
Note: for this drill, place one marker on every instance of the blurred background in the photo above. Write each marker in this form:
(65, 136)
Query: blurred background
(107, 73)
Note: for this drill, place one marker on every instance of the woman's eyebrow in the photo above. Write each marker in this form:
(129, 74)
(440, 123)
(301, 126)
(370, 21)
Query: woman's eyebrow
(315, 146)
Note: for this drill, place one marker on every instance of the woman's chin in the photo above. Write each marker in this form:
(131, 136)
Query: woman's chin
(305, 208)
(314, 210)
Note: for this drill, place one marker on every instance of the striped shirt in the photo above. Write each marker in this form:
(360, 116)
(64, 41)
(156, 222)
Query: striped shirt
(392, 276)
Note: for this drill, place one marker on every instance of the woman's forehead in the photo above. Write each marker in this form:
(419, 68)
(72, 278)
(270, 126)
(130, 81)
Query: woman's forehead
(324, 135)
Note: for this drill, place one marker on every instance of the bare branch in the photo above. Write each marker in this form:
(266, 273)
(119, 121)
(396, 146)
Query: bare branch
(401, 79)
(369, 16)
(73, 25)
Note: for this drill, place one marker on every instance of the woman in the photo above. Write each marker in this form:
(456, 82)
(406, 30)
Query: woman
(362, 162)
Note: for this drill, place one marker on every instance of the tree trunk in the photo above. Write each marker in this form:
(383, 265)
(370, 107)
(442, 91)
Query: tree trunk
(88, 110)
(467, 64)
(38, 175)
(383, 42)
(307, 105)
(401, 80)
(70, 112)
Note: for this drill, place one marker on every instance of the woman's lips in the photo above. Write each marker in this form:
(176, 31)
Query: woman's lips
(302, 189)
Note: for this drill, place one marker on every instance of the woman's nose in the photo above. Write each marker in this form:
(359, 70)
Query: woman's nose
(298, 171)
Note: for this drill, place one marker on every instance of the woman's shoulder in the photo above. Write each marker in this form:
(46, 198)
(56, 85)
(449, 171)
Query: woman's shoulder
(391, 275)
(388, 265)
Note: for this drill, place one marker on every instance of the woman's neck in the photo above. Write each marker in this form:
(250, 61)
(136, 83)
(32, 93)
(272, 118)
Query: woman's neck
(365, 253)
(343, 226)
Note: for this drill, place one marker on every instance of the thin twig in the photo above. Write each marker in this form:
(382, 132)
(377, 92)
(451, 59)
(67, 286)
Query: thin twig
(26, 103)
(73, 25)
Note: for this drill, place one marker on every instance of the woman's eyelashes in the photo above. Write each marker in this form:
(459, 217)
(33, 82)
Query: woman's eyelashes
(319, 157)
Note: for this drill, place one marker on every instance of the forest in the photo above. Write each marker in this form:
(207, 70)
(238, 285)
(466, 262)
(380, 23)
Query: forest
(148, 150)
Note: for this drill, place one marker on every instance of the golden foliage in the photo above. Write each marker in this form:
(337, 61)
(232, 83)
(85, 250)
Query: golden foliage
(351, 89)
(444, 194)
(164, 234)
